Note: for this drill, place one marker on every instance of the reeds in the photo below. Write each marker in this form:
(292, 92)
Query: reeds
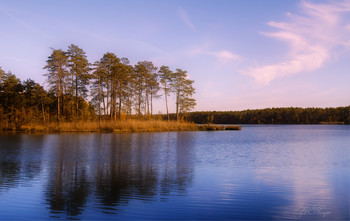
(130, 125)
(111, 126)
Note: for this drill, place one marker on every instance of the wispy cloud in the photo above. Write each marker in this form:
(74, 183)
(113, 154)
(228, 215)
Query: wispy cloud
(225, 56)
(14, 18)
(313, 37)
(222, 56)
(186, 18)
(23, 23)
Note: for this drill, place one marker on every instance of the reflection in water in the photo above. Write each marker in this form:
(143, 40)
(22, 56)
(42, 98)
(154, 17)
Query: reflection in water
(20, 159)
(305, 166)
(184, 159)
(116, 168)
(9, 164)
(274, 172)
(68, 185)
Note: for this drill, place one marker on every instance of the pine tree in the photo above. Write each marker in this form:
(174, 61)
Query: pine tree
(79, 68)
(166, 78)
(57, 72)
(139, 83)
(183, 92)
(154, 88)
(97, 86)
(150, 78)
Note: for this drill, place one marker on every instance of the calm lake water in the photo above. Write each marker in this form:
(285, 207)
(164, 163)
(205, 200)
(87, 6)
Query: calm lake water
(262, 172)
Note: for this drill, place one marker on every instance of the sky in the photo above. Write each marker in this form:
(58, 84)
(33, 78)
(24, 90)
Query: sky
(242, 54)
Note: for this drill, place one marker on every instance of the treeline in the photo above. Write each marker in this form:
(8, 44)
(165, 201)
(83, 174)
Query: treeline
(291, 115)
(108, 89)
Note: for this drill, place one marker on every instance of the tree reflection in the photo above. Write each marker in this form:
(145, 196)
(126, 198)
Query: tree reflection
(19, 159)
(112, 169)
(68, 186)
(184, 158)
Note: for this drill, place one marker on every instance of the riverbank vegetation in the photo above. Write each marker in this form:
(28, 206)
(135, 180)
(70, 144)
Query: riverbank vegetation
(109, 126)
(110, 93)
(290, 115)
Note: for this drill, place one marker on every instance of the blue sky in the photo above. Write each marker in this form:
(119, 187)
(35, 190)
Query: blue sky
(242, 54)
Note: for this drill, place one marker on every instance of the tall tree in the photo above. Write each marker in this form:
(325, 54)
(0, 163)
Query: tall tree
(79, 69)
(150, 78)
(129, 86)
(140, 76)
(184, 91)
(57, 71)
(154, 88)
(166, 77)
(186, 101)
(97, 86)
(124, 76)
(109, 61)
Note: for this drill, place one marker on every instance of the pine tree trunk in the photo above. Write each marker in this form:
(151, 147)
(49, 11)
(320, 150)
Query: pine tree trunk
(42, 109)
(139, 105)
(58, 100)
(114, 103)
(76, 96)
(177, 106)
(120, 101)
(104, 103)
(99, 101)
(166, 101)
(147, 103)
(151, 104)
(107, 97)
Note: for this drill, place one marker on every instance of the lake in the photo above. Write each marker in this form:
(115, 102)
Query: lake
(266, 172)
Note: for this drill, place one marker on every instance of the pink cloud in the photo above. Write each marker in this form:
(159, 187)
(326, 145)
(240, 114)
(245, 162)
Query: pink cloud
(186, 18)
(312, 38)
(225, 56)
(222, 56)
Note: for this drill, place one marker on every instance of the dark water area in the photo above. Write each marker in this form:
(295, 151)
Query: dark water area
(297, 172)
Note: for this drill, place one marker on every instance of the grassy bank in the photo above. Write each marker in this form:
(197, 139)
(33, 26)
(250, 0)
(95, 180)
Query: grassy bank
(118, 126)
(110, 126)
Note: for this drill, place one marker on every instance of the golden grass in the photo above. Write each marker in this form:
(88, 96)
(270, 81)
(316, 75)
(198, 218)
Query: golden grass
(111, 126)
(120, 126)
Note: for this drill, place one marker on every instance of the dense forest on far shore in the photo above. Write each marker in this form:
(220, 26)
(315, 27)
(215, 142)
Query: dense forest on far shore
(289, 115)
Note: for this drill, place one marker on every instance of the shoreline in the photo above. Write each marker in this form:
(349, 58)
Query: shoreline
(127, 126)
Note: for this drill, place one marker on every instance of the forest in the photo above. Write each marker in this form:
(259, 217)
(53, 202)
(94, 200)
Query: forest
(110, 89)
(289, 115)
(113, 90)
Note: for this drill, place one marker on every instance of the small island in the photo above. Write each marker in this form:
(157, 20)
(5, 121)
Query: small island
(111, 95)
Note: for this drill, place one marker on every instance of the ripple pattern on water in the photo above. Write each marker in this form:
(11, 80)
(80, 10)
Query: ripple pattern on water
(262, 172)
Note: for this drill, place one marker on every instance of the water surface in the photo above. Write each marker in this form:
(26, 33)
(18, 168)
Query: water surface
(262, 172)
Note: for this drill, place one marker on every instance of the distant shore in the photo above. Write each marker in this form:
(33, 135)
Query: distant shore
(333, 123)
(288, 115)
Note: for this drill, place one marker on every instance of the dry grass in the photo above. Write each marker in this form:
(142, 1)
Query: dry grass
(121, 126)
(111, 126)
